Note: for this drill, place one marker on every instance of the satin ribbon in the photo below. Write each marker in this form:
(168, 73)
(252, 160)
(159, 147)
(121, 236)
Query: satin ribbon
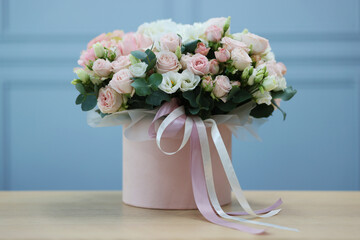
(201, 169)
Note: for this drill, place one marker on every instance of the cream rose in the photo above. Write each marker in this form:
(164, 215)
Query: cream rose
(240, 58)
(167, 61)
(102, 67)
(188, 80)
(213, 33)
(170, 42)
(121, 82)
(184, 60)
(109, 101)
(259, 44)
(222, 86)
(199, 64)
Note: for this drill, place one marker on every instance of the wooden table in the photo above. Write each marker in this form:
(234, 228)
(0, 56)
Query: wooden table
(102, 215)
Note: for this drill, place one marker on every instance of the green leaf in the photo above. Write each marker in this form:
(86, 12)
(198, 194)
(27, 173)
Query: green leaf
(191, 97)
(156, 98)
(238, 95)
(194, 111)
(80, 99)
(262, 111)
(225, 107)
(139, 54)
(150, 59)
(80, 88)
(142, 88)
(285, 95)
(190, 47)
(89, 103)
(155, 79)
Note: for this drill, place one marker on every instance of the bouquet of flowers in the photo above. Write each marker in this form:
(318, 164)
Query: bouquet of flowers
(184, 79)
(206, 68)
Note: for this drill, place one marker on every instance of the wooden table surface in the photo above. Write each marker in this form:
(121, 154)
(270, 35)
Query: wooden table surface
(102, 215)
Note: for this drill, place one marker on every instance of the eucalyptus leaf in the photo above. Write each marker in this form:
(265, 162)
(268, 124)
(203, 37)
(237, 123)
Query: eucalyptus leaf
(239, 95)
(150, 59)
(285, 95)
(139, 54)
(155, 80)
(225, 107)
(80, 99)
(262, 111)
(191, 97)
(194, 111)
(156, 98)
(89, 103)
(141, 86)
(80, 88)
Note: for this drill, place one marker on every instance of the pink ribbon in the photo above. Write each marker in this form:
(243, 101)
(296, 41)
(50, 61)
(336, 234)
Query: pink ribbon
(197, 173)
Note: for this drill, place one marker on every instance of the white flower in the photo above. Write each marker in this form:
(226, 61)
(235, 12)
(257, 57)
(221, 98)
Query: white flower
(270, 83)
(188, 80)
(99, 50)
(281, 84)
(252, 77)
(138, 69)
(262, 97)
(171, 82)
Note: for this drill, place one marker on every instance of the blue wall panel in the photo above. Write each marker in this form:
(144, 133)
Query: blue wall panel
(46, 144)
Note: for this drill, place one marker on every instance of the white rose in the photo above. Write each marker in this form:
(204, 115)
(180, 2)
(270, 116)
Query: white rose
(188, 80)
(262, 97)
(138, 69)
(240, 58)
(171, 82)
(281, 84)
(259, 44)
(270, 83)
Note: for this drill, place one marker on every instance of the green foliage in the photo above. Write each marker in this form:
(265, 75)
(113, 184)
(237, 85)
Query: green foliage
(150, 60)
(80, 99)
(238, 95)
(155, 79)
(189, 47)
(142, 88)
(286, 94)
(157, 97)
(89, 103)
(139, 54)
(262, 111)
(80, 88)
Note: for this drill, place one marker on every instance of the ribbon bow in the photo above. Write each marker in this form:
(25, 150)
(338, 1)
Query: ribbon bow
(201, 168)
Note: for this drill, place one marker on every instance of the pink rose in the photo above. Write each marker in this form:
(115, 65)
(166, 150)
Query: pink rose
(207, 83)
(219, 22)
(102, 67)
(259, 44)
(222, 55)
(202, 49)
(199, 64)
(86, 56)
(170, 42)
(99, 38)
(274, 68)
(109, 101)
(230, 44)
(134, 41)
(117, 34)
(120, 63)
(167, 61)
(214, 67)
(240, 58)
(213, 33)
(121, 81)
(184, 60)
(222, 86)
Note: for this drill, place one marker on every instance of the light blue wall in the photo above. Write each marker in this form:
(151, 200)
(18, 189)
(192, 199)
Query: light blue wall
(46, 144)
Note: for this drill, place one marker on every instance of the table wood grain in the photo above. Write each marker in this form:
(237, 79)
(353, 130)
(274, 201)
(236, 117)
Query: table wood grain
(102, 215)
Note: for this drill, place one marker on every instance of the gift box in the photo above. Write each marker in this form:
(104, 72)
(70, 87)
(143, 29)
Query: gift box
(152, 179)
